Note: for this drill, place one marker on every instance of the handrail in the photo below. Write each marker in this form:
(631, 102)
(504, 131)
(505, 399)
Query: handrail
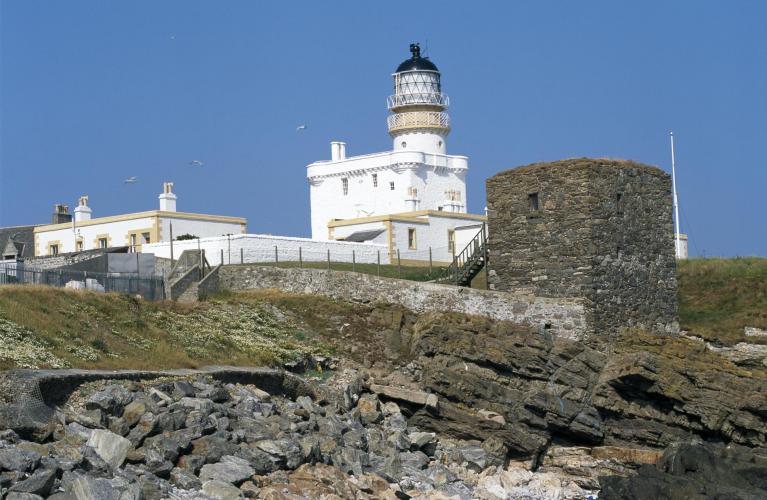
(417, 119)
(407, 98)
(474, 252)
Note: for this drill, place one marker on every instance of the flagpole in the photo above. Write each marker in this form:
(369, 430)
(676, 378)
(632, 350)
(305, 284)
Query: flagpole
(676, 199)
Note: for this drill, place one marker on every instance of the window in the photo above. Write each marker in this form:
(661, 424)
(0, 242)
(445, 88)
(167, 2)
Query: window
(391, 186)
(619, 203)
(79, 246)
(411, 243)
(146, 237)
(345, 185)
(54, 250)
(102, 242)
(375, 180)
(439, 208)
(404, 144)
(451, 241)
(532, 201)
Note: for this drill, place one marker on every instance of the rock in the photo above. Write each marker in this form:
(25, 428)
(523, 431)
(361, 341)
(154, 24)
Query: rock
(694, 471)
(182, 388)
(424, 441)
(496, 451)
(200, 404)
(39, 483)
(184, 479)
(231, 469)
(146, 426)
(221, 490)
(407, 395)
(84, 487)
(491, 415)
(77, 431)
(110, 447)
(212, 448)
(133, 412)
(14, 459)
(119, 426)
(110, 399)
(249, 489)
(160, 397)
(368, 407)
(474, 456)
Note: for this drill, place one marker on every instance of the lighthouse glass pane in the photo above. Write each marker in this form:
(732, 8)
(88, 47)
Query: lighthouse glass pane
(417, 87)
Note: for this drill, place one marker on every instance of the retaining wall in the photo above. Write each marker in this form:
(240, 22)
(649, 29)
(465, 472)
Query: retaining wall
(561, 317)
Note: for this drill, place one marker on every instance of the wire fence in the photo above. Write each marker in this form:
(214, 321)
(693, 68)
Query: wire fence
(149, 287)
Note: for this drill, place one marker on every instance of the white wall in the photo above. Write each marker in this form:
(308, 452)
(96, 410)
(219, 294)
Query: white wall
(200, 228)
(430, 174)
(260, 248)
(116, 231)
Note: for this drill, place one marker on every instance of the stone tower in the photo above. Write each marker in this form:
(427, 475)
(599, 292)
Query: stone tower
(596, 229)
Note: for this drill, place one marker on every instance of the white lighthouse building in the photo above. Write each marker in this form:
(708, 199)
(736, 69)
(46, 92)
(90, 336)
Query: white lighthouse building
(413, 197)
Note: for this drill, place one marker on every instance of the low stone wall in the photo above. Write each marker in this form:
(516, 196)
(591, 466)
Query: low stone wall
(561, 317)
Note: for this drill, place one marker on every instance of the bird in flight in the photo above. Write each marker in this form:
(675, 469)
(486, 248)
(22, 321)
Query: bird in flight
(196, 163)
(301, 127)
(131, 180)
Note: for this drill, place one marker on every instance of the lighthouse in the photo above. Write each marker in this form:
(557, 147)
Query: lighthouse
(411, 198)
(419, 120)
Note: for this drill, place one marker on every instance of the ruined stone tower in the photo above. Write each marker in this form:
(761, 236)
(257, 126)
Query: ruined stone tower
(595, 229)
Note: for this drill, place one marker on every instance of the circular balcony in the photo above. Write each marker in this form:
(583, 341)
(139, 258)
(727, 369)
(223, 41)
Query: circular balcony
(419, 99)
(418, 119)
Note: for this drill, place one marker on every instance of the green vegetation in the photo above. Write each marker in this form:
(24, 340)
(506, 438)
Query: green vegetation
(53, 327)
(719, 297)
(57, 328)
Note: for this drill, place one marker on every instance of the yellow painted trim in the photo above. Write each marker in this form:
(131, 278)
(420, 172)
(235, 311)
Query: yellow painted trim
(390, 240)
(141, 215)
(139, 239)
(415, 217)
(52, 243)
(37, 246)
(101, 237)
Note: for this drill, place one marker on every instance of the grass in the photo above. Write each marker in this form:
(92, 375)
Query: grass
(53, 327)
(719, 297)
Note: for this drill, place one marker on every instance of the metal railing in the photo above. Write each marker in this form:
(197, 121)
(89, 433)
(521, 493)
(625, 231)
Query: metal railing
(468, 262)
(149, 287)
(428, 98)
(418, 119)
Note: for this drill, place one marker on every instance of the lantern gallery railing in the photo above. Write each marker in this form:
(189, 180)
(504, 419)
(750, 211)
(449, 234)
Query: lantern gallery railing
(418, 119)
(428, 98)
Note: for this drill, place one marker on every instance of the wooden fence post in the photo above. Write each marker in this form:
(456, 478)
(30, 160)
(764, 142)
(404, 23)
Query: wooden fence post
(399, 265)
(300, 258)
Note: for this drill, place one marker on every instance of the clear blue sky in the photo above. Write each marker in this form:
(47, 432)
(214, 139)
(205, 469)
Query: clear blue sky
(94, 92)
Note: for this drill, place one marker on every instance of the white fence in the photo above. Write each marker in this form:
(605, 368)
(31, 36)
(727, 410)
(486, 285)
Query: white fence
(255, 248)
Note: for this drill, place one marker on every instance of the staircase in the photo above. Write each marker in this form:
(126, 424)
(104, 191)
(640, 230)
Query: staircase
(468, 263)
(183, 281)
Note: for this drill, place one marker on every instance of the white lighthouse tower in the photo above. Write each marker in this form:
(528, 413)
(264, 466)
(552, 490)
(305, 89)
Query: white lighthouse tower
(419, 122)
(417, 178)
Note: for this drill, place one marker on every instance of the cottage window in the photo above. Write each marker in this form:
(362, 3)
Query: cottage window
(345, 185)
(146, 237)
(79, 246)
(54, 250)
(451, 241)
(375, 180)
(102, 242)
(411, 242)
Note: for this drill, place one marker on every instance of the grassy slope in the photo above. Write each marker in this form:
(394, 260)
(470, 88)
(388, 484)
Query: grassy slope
(718, 297)
(41, 326)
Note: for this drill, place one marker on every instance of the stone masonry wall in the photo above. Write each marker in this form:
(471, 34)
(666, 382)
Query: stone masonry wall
(603, 231)
(561, 317)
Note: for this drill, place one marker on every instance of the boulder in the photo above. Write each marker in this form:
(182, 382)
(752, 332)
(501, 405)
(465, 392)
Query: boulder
(110, 447)
(39, 483)
(232, 469)
(15, 459)
(221, 490)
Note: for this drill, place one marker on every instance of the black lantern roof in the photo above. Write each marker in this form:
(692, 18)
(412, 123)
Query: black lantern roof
(416, 62)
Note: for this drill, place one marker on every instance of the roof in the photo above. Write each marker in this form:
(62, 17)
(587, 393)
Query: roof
(362, 236)
(22, 238)
(581, 164)
(416, 62)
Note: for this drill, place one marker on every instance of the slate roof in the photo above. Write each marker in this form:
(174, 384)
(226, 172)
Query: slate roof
(20, 237)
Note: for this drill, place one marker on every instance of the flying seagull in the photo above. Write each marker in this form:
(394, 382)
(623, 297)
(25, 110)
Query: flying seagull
(301, 127)
(131, 180)
(196, 163)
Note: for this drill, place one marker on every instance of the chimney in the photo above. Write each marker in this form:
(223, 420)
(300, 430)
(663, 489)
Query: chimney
(60, 214)
(82, 211)
(337, 150)
(167, 198)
